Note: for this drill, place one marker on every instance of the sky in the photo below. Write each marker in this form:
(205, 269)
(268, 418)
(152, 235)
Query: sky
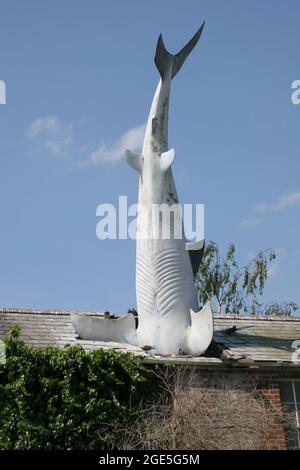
(80, 78)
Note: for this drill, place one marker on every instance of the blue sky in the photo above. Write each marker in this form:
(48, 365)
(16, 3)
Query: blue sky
(80, 79)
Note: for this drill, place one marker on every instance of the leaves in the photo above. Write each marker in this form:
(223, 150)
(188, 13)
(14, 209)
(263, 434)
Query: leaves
(58, 399)
(235, 289)
(277, 309)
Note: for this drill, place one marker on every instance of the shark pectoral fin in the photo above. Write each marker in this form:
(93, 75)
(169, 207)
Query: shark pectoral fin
(166, 159)
(200, 333)
(96, 328)
(196, 252)
(135, 160)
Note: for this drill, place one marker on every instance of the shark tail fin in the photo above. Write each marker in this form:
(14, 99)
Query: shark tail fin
(163, 58)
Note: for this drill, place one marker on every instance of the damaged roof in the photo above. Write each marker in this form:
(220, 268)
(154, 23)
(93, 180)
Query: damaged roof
(243, 341)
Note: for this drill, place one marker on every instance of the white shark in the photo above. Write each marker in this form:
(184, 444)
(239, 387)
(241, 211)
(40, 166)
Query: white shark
(168, 311)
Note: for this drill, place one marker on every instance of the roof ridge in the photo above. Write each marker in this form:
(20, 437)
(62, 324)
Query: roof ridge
(47, 311)
(221, 316)
(239, 316)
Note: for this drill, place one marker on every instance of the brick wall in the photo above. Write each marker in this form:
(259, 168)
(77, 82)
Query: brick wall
(276, 439)
(267, 383)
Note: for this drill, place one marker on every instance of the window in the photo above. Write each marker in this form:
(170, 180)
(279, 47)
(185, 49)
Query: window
(290, 398)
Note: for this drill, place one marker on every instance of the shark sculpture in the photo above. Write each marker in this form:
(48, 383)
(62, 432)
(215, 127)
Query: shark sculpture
(169, 319)
(167, 303)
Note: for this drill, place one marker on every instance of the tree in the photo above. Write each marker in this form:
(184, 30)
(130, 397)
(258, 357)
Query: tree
(235, 289)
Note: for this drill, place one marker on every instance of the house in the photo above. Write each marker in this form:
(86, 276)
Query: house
(247, 348)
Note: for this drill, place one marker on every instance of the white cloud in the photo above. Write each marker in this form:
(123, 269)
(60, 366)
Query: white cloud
(58, 138)
(284, 202)
(110, 153)
(251, 222)
(53, 134)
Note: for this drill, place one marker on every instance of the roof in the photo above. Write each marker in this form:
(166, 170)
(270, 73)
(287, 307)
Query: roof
(243, 341)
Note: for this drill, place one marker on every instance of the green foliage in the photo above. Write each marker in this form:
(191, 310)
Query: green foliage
(232, 288)
(277, 309)
(62, 399)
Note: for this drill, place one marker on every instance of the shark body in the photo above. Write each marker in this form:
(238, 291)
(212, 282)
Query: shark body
(167, 303)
